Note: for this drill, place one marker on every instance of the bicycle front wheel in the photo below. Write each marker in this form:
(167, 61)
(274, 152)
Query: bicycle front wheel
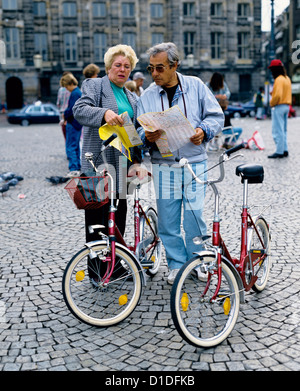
(199, 320)
(151, 252)
(92, 300)
(260, 246)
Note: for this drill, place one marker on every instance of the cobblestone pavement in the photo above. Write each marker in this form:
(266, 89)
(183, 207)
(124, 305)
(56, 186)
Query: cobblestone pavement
(41, 232)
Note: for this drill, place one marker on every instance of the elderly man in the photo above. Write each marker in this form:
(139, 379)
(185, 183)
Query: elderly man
(173, 185)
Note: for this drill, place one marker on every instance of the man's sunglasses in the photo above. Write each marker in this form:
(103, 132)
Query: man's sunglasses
(159, 68)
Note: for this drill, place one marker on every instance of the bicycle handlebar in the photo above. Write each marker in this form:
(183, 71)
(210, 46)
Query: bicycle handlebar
(109, 140)
(234, 149)
(184, 163)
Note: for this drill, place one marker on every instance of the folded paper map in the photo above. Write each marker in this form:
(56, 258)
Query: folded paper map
(127, 135)
(177, 129)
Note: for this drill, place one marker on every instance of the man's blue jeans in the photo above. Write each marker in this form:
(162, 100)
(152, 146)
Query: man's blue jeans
(73, 147)
(279, 127)
(176, 193)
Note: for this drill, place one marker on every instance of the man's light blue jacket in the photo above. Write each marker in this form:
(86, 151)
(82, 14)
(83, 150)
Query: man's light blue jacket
(202, 109)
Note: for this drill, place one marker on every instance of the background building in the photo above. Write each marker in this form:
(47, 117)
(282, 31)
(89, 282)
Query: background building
(212, 35)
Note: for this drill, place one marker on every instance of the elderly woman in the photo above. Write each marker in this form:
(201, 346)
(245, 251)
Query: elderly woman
(102, 101)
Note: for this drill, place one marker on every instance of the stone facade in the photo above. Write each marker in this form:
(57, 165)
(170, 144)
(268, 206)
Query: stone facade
(223, 35)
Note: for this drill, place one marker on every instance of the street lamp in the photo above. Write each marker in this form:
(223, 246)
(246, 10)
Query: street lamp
(38, 64)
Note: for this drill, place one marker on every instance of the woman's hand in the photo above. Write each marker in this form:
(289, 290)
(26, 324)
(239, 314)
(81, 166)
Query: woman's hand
(111, 118)
(197, 139)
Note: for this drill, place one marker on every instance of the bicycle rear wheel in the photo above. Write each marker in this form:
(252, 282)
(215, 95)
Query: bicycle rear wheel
(148, 230)
(257, 248)
(89, 298)
(198, 320)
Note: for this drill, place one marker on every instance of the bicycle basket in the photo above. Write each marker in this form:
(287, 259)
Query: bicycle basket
(88, 192)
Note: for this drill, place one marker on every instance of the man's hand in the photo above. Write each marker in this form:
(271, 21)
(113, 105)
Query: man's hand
(197, 139)
(153, 136)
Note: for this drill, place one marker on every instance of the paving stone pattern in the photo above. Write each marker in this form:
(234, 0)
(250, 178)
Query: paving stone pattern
(40, 233)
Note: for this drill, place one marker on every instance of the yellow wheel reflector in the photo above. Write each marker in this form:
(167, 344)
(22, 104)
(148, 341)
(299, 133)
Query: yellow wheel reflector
(184, 302)
(123, 299)
(226, 306)
(153, 258)
(80, 275)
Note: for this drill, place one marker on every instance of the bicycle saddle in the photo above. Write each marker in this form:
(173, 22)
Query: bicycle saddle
(253, 172)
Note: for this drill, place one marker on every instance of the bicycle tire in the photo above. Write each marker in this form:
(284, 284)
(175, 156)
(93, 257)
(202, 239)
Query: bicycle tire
(203, 323)
(155, 253)
(261, 270)
(90, 301)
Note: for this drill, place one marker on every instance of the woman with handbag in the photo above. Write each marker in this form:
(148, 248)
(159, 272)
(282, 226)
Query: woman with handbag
(102, 101)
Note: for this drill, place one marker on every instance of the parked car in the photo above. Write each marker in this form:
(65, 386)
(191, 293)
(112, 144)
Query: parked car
(238, 109)
(235, 110)
(249, 108)
(35, 114)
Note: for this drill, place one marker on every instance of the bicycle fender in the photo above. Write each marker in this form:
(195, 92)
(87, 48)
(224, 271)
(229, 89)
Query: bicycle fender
(127, 251)
(231, 267)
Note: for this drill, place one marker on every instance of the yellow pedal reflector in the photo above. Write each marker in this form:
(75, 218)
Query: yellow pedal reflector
(226, 306)
(80, 275)
(184, 302)
(123, 299)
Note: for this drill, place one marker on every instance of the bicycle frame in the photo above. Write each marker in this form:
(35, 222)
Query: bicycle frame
(218, 244)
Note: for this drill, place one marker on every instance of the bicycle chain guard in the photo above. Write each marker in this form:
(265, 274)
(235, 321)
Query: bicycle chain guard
(247, 274)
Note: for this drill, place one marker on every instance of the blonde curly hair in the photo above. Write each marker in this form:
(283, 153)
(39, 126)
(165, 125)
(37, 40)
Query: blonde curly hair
(120, 50)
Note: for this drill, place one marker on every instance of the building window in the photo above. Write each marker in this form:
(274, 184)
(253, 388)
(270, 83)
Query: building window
(298, 4)
(130, 39)
(99, 10)
(41, 45)
(12, 41)
(39, 8)
(9, 4)
(70, 41)
(188, 9)
(156, 10)
(157, 38)
(128, 10)
(188, 43)
(69, 9)
(243, 45)
(243, 10)
(216, 9)
(216, 45)
(100, 45)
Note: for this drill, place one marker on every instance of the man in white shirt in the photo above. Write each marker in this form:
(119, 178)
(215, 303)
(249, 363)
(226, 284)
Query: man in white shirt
(173, 184)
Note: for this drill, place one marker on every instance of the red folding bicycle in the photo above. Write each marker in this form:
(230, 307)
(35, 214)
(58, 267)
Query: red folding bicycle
(102, 283)
(205, 309)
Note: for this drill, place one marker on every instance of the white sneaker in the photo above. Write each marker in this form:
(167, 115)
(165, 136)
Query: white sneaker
(201, 276)
(172, 275)
(73, 174)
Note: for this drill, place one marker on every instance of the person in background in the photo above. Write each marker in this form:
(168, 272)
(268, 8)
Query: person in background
(174, 187)
(73, 127)
(91, 71)
(259, 103)
(103, 100)
(62, 101)
(220, 89)
(131, 86)
(280, 103)
(139, 78)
